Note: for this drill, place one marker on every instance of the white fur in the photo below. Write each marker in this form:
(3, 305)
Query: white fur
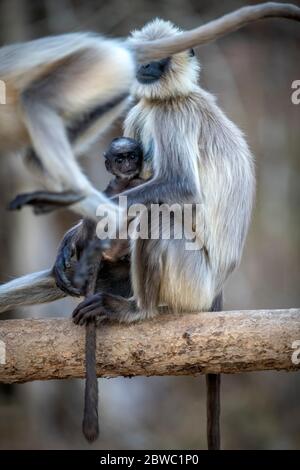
(184, 128)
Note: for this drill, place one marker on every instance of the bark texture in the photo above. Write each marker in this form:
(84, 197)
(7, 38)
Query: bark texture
(190, 344)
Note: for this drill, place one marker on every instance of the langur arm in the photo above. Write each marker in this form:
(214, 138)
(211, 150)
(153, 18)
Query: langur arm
(50, 142)
(103, 306)
(158, 191)
(48, 101)
(153, 191)
(60, 168)
(44, 202)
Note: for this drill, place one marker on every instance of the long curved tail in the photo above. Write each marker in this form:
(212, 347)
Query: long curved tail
(90, 424)
(213, 392)
(35, 288)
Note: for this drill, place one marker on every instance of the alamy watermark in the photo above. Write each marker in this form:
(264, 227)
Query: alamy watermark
(2, 353)
(295, 96)
(296, 353)
(155, 222)
(2, 92)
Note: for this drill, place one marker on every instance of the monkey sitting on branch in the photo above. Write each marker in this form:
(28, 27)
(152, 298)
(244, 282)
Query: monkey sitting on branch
(199, 156)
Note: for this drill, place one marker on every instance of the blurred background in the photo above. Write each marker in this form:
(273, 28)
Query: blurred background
(250, 72)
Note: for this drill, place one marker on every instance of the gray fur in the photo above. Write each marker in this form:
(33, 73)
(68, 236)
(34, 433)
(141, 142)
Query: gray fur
(36, 288)
(198, 156)
(54, 84)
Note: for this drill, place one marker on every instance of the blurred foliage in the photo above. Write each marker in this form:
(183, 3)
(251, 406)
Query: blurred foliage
(250, 72)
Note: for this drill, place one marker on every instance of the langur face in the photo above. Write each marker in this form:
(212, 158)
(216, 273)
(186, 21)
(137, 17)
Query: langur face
(152, 72)
(124, 158)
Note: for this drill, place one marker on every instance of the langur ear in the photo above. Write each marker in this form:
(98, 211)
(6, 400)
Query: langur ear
(108, 165)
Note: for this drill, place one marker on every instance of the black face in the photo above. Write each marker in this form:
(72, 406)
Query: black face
(124, 158)
(150, 73)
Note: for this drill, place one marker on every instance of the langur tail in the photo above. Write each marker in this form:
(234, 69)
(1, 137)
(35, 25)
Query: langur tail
(36, 288)
(213, 399)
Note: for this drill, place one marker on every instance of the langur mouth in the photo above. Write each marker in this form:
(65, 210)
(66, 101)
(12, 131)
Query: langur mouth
(146, 79)
(153, 71)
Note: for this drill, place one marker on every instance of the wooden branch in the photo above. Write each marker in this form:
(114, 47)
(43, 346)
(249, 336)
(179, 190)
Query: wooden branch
(158, 49)
(190, 344)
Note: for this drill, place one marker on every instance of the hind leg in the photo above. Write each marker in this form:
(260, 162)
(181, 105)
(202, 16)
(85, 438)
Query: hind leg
(103, 306)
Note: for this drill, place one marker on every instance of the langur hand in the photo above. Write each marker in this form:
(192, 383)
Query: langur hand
(91, 309)
(66, 259)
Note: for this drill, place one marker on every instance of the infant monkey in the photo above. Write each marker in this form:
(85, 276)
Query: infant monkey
(124, 160)
(105, 272)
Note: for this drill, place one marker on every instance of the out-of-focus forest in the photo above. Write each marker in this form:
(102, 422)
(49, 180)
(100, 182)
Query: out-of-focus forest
(250, 72)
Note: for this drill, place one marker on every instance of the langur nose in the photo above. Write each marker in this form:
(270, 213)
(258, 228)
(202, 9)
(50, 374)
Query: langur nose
(145, 67)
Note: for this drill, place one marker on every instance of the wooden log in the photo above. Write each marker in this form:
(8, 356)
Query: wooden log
(190, 344)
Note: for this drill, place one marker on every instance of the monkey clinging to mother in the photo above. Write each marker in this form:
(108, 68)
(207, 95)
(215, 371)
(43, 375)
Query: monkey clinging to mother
(70, 91)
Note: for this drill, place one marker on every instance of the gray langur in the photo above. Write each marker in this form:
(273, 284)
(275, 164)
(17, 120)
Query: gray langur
(62, 92)
(198, 156)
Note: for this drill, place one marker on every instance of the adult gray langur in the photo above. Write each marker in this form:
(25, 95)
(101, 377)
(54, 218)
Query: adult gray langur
(196, 155)
(62, 92)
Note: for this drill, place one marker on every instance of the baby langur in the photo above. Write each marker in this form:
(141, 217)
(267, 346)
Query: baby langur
(124, 159)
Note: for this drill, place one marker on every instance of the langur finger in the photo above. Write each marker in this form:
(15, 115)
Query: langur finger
(93, 316)
(82, 319)
(93, 300)
(87, 314)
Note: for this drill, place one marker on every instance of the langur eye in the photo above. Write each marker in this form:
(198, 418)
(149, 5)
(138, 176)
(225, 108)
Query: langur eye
(119, 161)
(132, 157)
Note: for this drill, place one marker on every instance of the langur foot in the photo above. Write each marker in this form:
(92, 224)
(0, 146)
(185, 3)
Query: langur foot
(44, 202)
(103, 306)
(62, 272)
(91, 309)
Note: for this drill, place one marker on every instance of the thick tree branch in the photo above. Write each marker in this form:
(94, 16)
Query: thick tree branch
(226, 342)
